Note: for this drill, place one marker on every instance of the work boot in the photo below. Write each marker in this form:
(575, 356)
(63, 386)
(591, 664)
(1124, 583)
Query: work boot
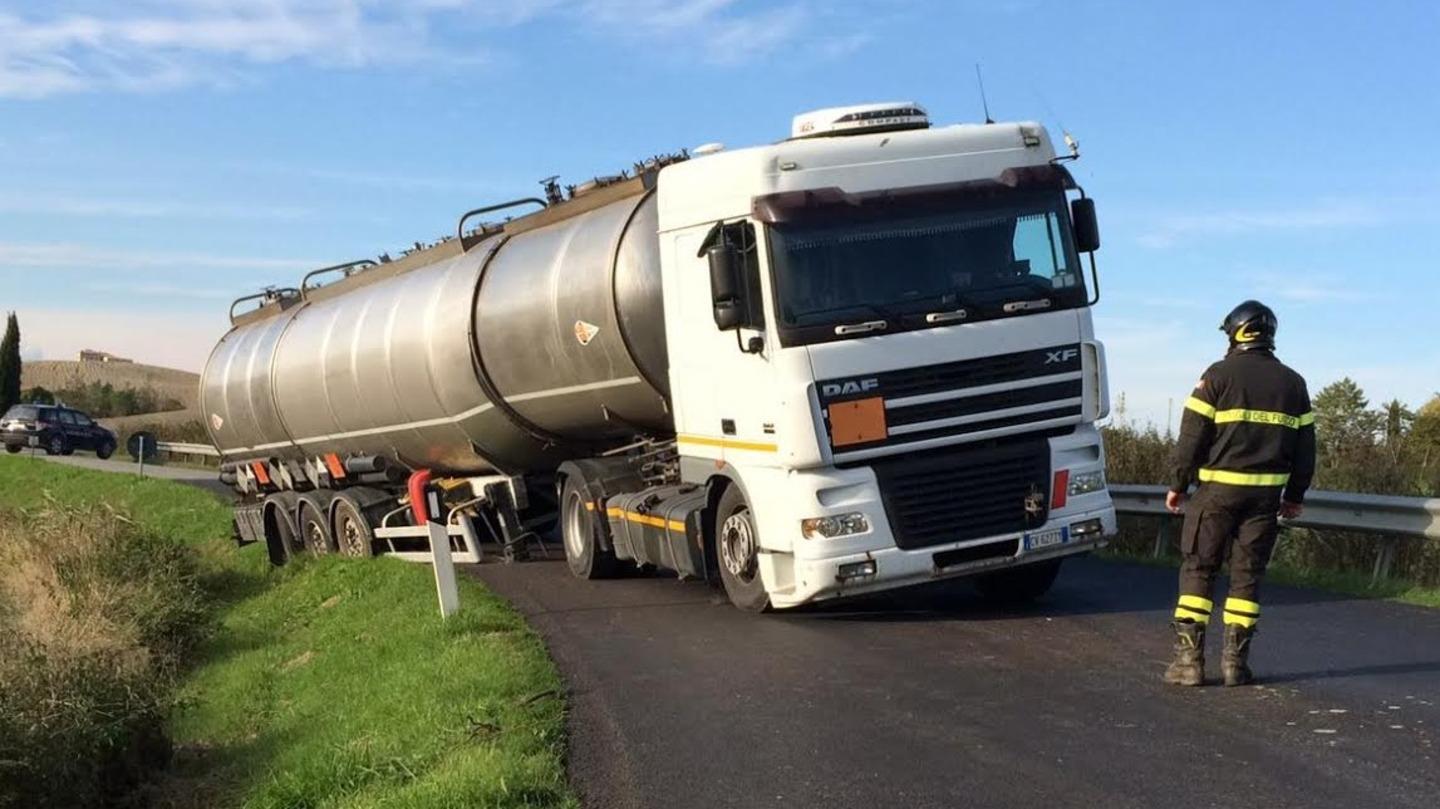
(1188, 667)
(1235, 662)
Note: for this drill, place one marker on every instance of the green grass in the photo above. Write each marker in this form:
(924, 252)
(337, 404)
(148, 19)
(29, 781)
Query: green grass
(1348, 582)
(335, 683)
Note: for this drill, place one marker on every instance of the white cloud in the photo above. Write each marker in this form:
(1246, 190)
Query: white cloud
(32, 256)
(178, 340)
(1303, 288)
(152, 291)
(1171, 230)
(84, 206)
(152, 45)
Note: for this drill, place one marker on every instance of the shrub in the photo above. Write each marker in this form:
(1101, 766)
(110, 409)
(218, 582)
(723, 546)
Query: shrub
(95, 614)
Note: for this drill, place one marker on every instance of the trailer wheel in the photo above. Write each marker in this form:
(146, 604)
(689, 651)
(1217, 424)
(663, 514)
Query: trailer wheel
(281, 540)
(1018, 585)
(737, 549)
(353, 533)
(314, 525)
(580, 531)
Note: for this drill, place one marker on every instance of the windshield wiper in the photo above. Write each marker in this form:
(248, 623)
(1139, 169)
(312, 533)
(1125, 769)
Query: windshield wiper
(947, 317)
(861, 328)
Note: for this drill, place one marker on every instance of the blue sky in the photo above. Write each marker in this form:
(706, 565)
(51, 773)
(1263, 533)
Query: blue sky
(160, 158)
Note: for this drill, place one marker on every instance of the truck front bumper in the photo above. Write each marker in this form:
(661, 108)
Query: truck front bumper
(824, 578)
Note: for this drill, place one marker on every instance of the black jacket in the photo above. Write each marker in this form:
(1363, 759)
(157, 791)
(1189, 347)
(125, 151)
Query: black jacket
(1247, 423)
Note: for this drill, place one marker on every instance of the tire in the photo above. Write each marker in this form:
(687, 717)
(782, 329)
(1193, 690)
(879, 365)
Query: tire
(13, 449)
(353, 533)
(1019, 585)
(105, 450)
(283, 543)
(55, 444)
(737, 551)
(314, 525)
(580, 533)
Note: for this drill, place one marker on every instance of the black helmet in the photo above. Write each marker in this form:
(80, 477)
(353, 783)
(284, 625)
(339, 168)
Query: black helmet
(1252, 324)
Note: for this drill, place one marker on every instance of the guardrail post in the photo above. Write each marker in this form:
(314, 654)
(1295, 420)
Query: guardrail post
(1384, 560)
(1162, 536)
(141, 456)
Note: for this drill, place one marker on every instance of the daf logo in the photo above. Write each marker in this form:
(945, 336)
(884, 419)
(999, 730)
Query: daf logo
(1063, 355)
(849, 387)
(1035, 502)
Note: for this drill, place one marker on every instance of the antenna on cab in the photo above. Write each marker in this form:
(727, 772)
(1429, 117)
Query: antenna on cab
(984, 104)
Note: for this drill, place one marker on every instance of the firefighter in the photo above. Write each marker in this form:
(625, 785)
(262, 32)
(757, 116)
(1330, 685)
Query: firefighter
(1248, 436)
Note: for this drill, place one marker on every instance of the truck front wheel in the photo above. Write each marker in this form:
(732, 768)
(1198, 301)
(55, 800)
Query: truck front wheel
(737, 549)
(580, 529)
(1018, 585)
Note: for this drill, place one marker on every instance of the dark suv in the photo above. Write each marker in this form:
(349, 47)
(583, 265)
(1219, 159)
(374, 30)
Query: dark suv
(57, 430)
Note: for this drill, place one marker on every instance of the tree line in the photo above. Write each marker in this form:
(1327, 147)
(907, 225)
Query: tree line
(103, 400)
(1384, 449)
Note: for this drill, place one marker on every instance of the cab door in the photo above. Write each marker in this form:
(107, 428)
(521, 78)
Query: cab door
(721, 381)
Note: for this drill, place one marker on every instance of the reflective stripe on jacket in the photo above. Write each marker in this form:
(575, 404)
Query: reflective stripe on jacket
(1247, 423)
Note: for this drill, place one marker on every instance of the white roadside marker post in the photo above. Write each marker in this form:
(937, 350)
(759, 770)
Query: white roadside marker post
(444, 569)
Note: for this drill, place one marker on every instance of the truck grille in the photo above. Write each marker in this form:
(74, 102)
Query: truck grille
(1043, 385)
(954, 494)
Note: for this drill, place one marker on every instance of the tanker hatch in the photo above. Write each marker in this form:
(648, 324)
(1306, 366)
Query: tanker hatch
(860, 119)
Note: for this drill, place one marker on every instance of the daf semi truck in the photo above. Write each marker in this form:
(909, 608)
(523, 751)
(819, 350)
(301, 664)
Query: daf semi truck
(855, 359)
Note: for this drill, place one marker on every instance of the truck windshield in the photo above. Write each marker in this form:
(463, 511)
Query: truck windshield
(975, 259)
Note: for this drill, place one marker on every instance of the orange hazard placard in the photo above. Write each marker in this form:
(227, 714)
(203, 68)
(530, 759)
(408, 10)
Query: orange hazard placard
(857, 422)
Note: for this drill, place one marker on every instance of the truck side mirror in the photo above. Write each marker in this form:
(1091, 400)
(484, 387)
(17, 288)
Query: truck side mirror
(1087, 229)
(727, 288)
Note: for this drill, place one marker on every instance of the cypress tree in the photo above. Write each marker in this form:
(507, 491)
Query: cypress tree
(10, 364)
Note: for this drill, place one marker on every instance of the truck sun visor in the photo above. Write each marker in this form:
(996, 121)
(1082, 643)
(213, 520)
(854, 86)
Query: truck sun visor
(794, 206)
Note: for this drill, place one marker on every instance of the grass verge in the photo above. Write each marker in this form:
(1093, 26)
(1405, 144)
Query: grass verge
(1348, 582)
(333, 683)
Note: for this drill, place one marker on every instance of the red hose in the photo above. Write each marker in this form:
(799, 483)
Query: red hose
(419, 505)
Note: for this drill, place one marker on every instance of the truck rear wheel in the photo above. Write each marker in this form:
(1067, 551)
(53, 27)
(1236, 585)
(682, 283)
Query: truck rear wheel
(580, 529)
(281, 539)
(314, 524)
(354, 535)
(737, 548)
(1018, 585)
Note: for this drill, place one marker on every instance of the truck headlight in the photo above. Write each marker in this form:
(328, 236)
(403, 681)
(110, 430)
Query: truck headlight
(1086, 482)
(837, 526)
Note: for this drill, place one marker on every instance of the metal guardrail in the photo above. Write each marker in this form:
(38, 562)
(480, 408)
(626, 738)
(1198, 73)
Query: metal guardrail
(1394, 518)
(177, 448)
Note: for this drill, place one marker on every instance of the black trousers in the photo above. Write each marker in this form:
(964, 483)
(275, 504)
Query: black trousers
(1240, 519)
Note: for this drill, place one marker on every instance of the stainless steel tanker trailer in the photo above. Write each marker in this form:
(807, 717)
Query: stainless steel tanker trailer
(856, 359)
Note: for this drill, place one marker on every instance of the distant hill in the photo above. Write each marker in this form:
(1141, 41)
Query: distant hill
(169, 383)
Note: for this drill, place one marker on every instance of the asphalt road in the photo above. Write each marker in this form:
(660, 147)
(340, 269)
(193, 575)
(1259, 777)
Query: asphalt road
(934, 699)
(207, 479)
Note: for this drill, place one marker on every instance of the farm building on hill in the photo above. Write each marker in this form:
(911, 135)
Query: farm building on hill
(90, 355)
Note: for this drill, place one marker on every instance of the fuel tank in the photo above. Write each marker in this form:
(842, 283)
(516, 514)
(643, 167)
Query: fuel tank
(511, 351)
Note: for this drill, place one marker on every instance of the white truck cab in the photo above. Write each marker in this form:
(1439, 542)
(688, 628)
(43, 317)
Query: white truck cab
(880, 333)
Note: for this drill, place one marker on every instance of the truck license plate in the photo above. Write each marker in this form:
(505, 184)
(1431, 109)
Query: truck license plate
(1046, 539)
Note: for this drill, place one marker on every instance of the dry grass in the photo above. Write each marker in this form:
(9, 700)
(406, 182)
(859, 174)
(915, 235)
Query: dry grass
(95, 615)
